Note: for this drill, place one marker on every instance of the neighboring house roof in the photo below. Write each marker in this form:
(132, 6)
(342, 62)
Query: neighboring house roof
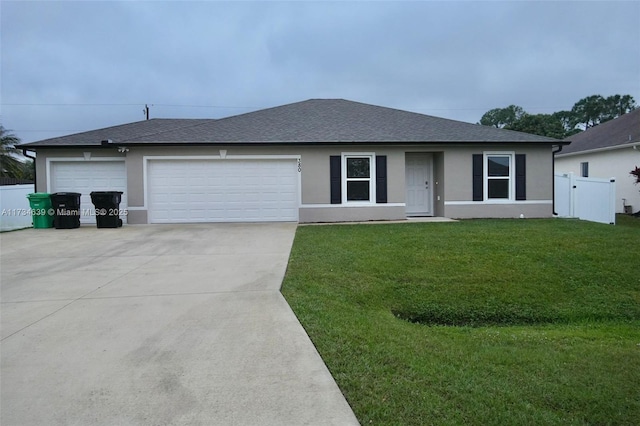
(617, 133)
(312, 121)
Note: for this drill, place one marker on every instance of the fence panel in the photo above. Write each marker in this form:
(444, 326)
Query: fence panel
(14, 207)
(590, 199)
(563, 195)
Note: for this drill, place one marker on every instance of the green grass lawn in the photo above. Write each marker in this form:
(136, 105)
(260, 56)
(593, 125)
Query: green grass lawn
(476, 322)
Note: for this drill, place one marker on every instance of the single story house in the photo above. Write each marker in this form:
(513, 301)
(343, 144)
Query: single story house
(320, 160)
(608, 150)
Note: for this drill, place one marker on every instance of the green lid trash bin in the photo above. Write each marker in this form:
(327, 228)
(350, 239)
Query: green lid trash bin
(41, 210)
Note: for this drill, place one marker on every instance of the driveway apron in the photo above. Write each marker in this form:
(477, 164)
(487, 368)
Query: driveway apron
(157, 325)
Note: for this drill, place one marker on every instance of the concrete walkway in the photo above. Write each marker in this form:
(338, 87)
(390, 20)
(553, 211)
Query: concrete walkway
(157, 325)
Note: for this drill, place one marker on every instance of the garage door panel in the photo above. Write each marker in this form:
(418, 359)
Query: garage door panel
(219, 191)
(86, 177)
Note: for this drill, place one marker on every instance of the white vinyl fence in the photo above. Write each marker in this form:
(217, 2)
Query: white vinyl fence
(590, 199)
(14, 207)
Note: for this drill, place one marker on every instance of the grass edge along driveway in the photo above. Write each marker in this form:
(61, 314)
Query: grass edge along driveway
(475, 322)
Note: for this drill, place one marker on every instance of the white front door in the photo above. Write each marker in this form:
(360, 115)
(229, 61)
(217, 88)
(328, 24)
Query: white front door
(418, 181)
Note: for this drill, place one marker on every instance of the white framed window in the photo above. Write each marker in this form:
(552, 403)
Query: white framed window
(499, 176)
(358, 182)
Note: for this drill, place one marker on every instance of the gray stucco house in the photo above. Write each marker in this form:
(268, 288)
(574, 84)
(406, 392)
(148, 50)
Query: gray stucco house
(320, 160)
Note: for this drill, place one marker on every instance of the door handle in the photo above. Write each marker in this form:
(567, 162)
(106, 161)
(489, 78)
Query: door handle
(426, 183)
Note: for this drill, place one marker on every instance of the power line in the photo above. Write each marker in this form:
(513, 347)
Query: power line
(64, 104)
(138, 104)
(239, 107)
(47, 130)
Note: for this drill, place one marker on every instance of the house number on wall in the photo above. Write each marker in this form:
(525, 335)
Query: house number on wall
(299, 165)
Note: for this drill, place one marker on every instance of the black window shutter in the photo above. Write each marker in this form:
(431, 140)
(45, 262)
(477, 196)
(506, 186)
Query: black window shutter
(521, 177)
(381, 178)
(478, 195)
(336, 180)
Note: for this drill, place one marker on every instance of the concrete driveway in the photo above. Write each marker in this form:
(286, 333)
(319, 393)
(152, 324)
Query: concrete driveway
(157, 325)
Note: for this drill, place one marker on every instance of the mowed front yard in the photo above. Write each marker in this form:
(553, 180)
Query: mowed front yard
(487, 322)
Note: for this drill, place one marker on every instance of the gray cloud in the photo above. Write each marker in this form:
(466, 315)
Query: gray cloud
(74, 66)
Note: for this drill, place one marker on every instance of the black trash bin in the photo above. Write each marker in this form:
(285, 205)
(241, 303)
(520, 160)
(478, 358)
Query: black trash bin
(67, 210)
(107, 205)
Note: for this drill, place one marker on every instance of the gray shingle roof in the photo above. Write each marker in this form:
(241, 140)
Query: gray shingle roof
(311, 121)
(118, 134)
(624, 130)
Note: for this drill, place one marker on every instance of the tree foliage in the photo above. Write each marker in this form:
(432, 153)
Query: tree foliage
(586, 113)
(595, 109)
(502, 117)
(27, 170)
(10, 164)
(540, 124)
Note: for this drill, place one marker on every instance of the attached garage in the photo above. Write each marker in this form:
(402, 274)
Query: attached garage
(88, 176)
(222, 190)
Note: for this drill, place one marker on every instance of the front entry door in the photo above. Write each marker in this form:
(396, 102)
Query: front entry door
(418, 181)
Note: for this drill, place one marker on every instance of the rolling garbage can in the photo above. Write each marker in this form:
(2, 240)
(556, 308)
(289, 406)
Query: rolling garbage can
(67, 210)
(107, 205)
(41, 212)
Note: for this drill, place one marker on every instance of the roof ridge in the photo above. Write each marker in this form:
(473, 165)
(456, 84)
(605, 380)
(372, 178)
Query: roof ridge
(264, 109)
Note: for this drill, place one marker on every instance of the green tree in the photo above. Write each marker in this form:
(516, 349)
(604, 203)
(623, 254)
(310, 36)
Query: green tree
(595, 109)
(27, 170)
(618, 105)
(567, 122)
(539, 124)
(502, 117)
(10, 164)
(586, 113)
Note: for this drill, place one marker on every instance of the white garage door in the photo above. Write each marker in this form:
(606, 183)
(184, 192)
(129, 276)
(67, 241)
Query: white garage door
(87, 176)
(222, 190)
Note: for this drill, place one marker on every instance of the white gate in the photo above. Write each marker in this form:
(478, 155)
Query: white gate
(590, 199)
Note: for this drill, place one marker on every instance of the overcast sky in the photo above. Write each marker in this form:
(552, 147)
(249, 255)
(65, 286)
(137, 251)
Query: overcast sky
(68, 66)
